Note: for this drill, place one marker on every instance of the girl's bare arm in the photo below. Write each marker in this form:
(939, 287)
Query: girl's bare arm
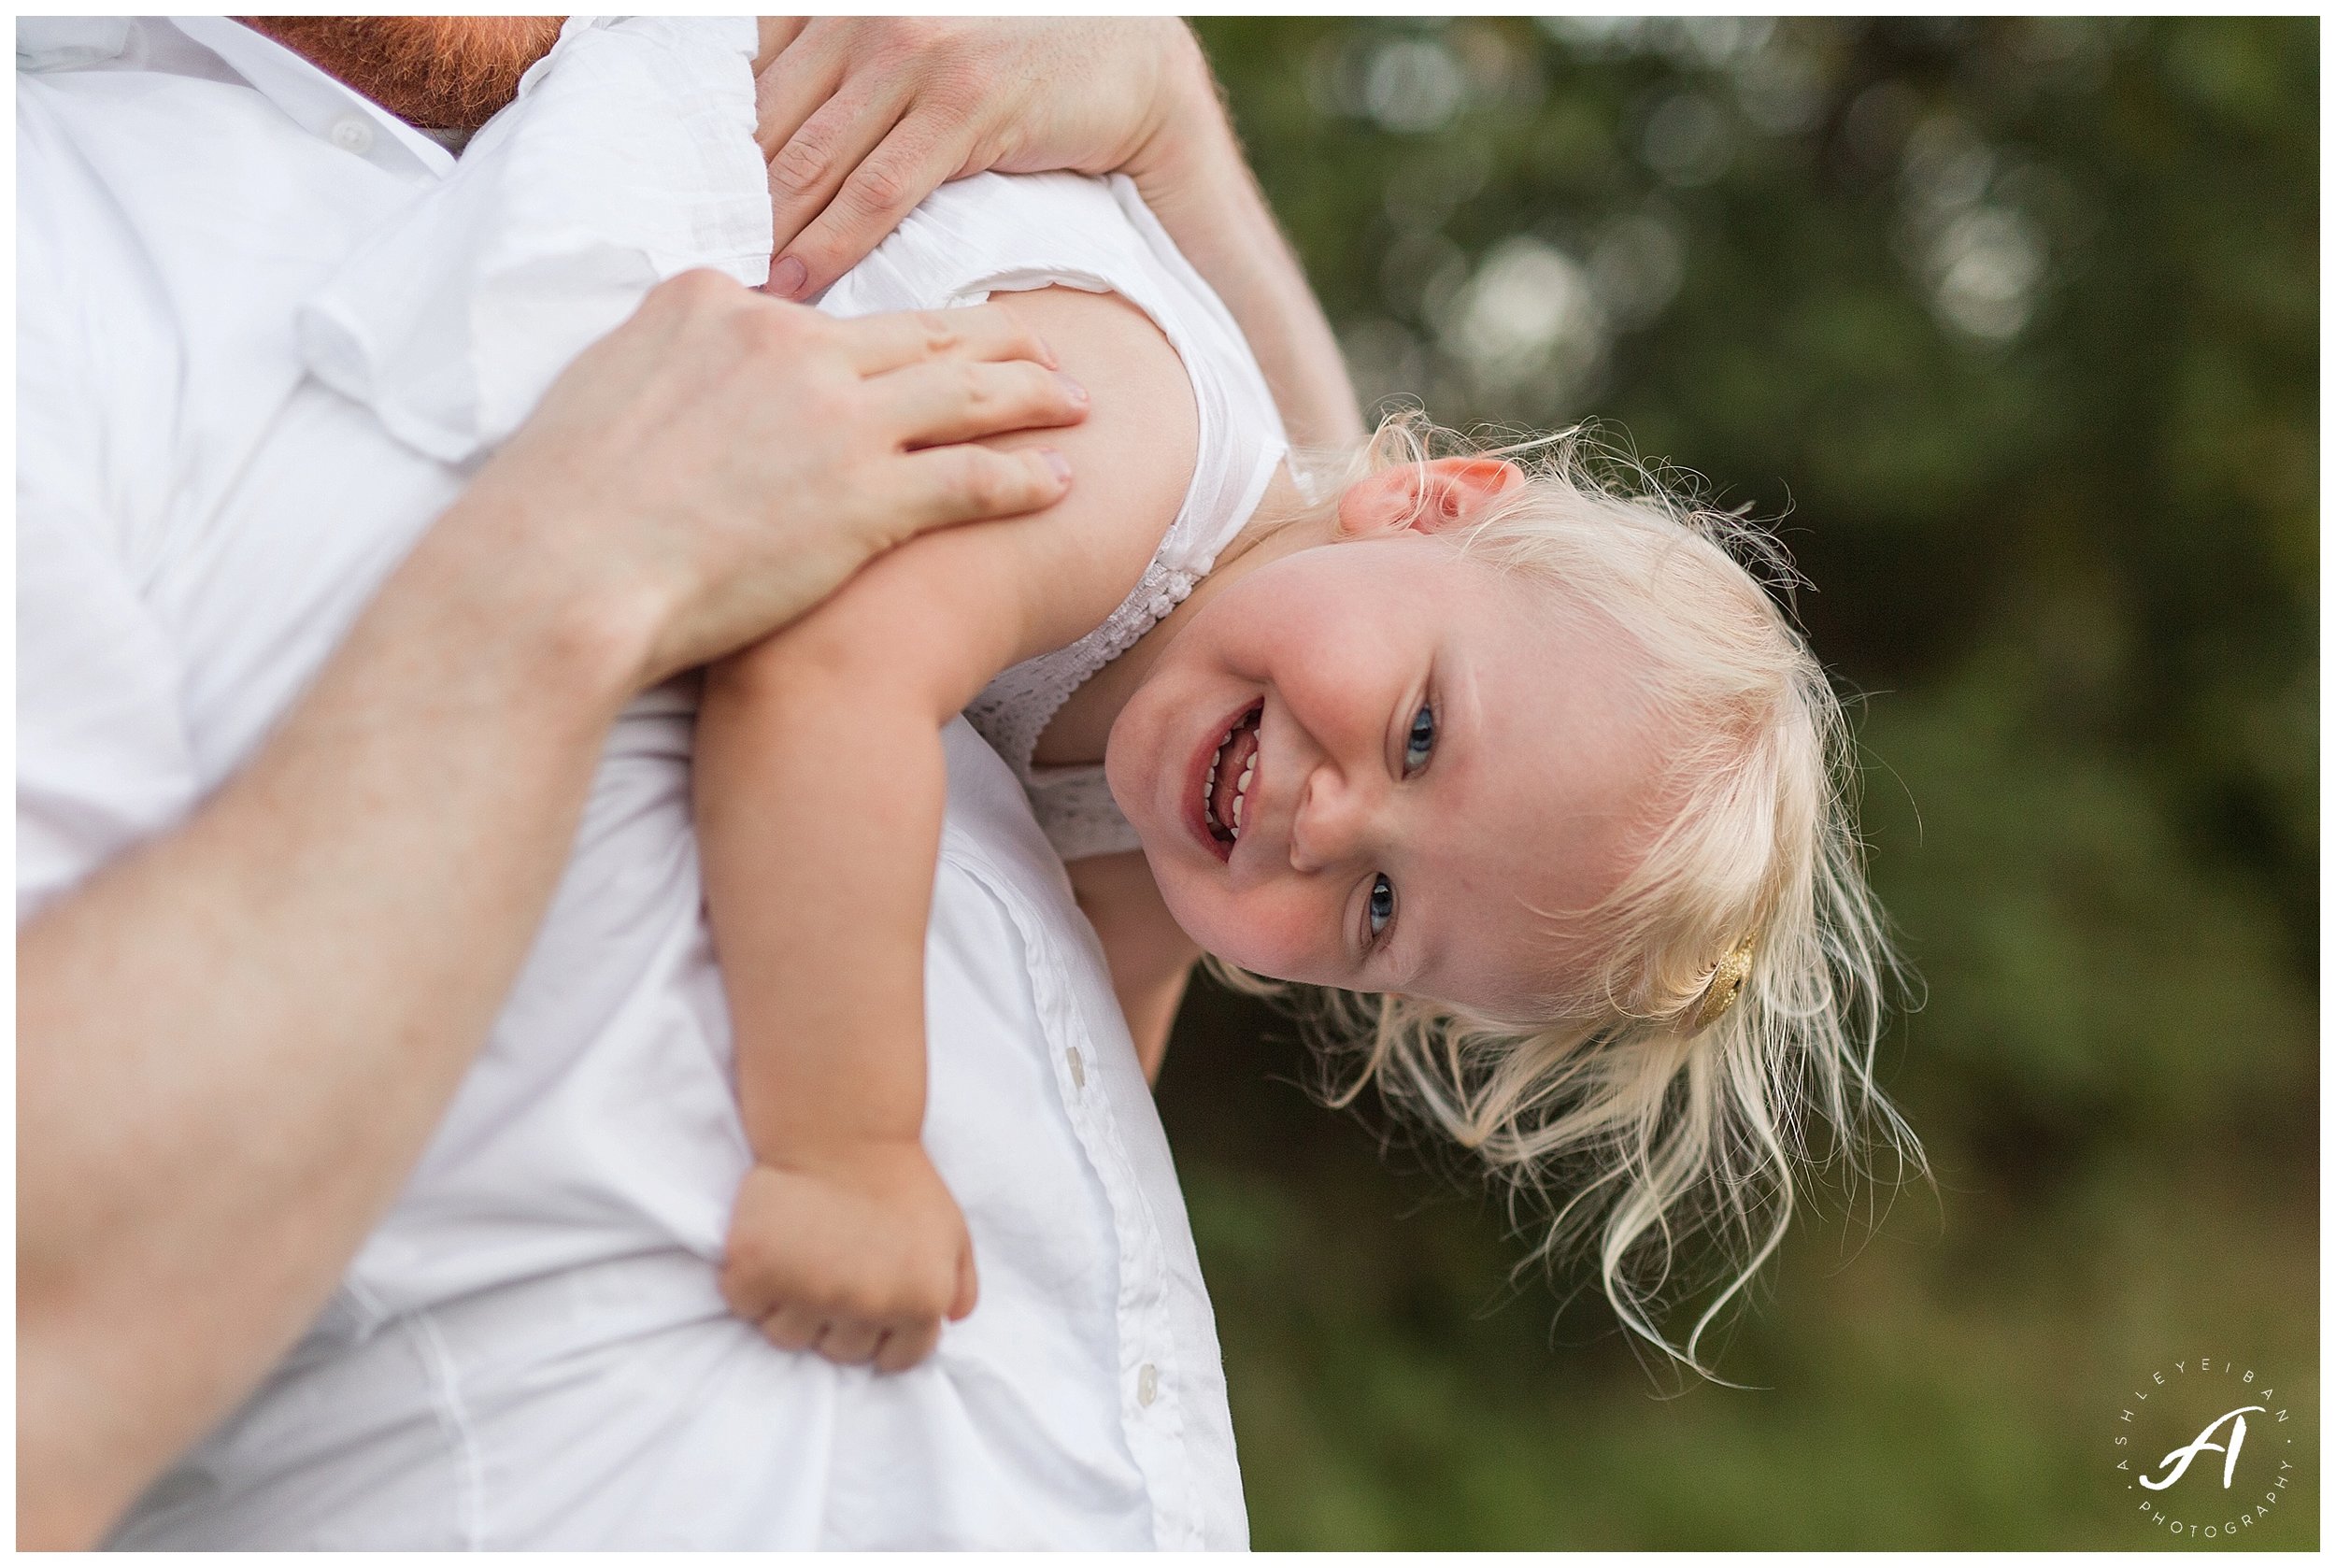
(819, 788)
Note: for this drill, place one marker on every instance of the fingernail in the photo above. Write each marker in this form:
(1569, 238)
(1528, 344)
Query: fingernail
(1072, 390)
(789, 276)
(1056, 460)
(1045, 355)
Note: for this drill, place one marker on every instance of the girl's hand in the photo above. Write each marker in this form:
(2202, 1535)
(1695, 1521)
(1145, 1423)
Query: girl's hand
(862, 117)
(856, 1251)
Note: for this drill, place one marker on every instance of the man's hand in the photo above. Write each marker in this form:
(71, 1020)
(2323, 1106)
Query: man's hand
(857, 1251)
(862, 117)
(723, 462)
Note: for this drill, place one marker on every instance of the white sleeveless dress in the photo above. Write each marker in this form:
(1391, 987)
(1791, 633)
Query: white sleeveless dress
(994, 234)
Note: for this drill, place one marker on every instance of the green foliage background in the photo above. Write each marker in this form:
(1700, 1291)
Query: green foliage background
(2015, 323)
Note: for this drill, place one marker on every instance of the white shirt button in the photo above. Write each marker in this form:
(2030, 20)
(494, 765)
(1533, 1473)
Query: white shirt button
(1147, 1384)
(1078, 1067)
(352, 134)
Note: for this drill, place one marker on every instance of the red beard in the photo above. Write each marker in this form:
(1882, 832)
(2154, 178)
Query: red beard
(441, 72)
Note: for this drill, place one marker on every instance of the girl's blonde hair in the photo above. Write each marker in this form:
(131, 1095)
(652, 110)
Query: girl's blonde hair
(1634, 1128)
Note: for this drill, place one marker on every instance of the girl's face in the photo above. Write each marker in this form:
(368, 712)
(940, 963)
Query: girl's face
(1380, 766)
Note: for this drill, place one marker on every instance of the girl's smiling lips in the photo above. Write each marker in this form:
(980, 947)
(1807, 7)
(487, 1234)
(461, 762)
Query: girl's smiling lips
(1196, 782)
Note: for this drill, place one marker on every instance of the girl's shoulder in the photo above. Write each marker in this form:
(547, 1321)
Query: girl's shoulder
(999, 234)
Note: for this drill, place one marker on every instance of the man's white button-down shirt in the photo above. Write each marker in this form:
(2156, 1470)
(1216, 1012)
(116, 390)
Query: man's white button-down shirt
(264, 332)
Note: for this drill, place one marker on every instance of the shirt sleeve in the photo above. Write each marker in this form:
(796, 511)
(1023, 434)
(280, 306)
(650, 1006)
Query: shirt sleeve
(102, 757)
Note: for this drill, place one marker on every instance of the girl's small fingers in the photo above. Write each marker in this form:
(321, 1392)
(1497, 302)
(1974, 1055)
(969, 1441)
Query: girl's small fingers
(963, 400)
(907, 166)
(815, 159)
(877, 344)
(794, 1328)
(849, 1343)
(906, 1344)
(944, 485)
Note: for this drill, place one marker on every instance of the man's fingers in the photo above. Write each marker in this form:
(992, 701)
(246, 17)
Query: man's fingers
(808, 170)
(772, 34)
(906, 1344)
(963, 400)
(916, 155)
(790, 90)
(944, 485)
(794, 1328)
(876, 344)
(848, 1343)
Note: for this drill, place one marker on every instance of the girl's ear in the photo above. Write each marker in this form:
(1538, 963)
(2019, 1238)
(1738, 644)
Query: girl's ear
(1428, 497)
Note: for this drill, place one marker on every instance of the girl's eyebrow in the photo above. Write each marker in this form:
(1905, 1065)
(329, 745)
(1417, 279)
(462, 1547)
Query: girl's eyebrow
(1462, 713)
(1405, 957)
(1398, 739)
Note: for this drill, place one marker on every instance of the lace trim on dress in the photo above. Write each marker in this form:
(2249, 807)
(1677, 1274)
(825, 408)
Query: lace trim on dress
(1014, 710)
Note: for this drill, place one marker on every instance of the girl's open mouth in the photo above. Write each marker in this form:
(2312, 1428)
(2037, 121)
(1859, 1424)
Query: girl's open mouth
(1225, 786)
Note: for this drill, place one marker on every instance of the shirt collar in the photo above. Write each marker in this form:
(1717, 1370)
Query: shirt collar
(218, 49)
(319, 103)
(627, 156)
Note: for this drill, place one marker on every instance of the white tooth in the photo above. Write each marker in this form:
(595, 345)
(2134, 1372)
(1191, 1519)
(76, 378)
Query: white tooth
(1236, 813)
(1249, 770)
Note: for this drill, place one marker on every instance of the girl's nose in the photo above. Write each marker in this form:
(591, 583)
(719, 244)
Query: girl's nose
(1328, 828)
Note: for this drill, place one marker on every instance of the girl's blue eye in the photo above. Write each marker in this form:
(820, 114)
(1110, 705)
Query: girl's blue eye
(1382, 903)
(1420, 741)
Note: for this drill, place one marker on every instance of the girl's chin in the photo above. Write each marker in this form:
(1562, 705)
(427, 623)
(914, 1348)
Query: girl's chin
(1128, 795)
(1126, 767)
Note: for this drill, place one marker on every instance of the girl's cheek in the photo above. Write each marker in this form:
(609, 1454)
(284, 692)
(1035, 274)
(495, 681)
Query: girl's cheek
(1273, 938)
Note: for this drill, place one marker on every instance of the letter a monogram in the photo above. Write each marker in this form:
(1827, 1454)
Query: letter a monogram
(2180, 1457)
